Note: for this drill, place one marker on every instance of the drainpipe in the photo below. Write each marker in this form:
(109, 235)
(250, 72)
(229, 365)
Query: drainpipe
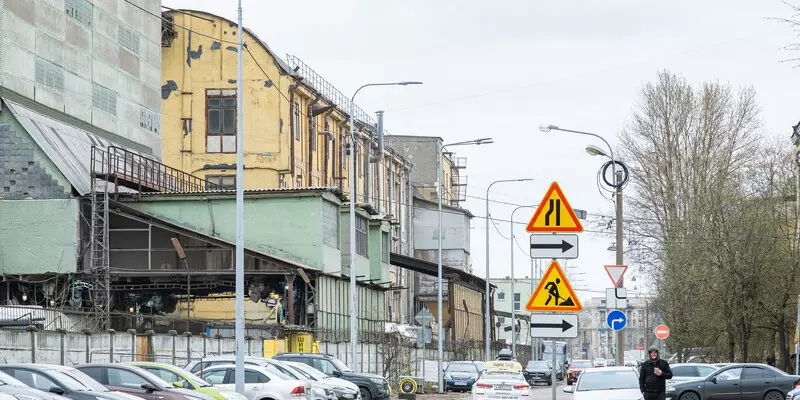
(343, 150)
(379, 161)
(312, 132)
(292, 110)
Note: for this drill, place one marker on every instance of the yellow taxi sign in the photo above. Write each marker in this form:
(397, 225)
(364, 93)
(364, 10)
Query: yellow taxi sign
(554, 293)
(554, 213)
(502, 366)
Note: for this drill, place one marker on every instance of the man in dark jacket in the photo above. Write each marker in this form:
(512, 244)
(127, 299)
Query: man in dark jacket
(653, 376)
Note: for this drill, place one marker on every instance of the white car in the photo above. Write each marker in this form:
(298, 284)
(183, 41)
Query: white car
(259, 383)
(344, 390)
(607, 383)
(501, 384)
(690, 372)
(599, 363)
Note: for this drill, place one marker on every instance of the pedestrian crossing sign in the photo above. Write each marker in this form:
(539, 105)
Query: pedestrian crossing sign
(554, 293)
(554, 214)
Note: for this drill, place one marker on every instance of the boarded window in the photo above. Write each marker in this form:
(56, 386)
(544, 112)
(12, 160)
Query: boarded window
(81, 10)
(361, 236)
(220, 122)
(104, 99)
(330, 225)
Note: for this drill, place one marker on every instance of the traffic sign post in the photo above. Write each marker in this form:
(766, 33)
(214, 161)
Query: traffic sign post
(661, 332)
(554, 293)
(424, 317)
(562, 326)
(554, 214)
(617, 297)
(616, 320)
(554, 246)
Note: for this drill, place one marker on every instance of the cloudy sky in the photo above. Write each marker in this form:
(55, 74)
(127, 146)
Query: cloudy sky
(502, 68)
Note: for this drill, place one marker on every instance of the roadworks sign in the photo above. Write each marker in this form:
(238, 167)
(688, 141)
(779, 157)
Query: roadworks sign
(554, 214)
(554, 293)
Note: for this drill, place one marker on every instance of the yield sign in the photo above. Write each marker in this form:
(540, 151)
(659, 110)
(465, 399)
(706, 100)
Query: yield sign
(554, 293)
(615, 272)
(554, 214)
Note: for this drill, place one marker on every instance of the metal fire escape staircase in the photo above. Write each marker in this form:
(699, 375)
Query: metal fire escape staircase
(115, 169)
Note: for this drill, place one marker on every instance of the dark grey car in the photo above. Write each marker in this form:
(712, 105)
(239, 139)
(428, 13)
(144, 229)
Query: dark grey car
(541, 372)
(13, 387)
(62, 380)
(737, 382)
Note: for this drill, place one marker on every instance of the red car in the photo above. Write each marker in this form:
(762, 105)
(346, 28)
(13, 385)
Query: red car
(575, 370)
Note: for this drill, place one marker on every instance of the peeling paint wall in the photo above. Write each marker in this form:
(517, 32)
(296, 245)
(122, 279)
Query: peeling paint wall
(98, 61)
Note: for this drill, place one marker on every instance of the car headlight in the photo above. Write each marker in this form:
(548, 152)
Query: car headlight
(343, 394)
(379, 381)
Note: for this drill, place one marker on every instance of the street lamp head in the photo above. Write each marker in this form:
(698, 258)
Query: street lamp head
(547, 128)
(409, 83)
(483, 141)
(595, 151)
(524, 179)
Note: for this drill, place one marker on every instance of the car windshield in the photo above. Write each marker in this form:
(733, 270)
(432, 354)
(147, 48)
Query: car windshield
(6, 379)
(538, 365)
(341, 365)
(462, 367)
(77, 381)
(608, 380)
(581, 364)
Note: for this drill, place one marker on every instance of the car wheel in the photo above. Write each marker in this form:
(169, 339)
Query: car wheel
(690, 396)
(365, 395)
(773, 396)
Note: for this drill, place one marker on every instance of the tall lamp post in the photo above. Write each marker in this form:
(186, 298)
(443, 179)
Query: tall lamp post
(488, 321)
(439, 166)
(618, 184)
(513, 311)
(352, 179)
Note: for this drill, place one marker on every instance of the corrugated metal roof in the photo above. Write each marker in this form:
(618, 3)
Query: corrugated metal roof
(69, 148)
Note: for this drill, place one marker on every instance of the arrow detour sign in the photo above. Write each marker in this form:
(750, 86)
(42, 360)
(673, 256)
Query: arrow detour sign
(554, 293)
(554, 214)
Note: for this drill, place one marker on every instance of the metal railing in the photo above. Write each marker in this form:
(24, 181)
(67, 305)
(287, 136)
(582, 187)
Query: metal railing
(135, 171)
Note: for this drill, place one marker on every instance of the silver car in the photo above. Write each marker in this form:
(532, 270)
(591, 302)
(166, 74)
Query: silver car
(690, 372)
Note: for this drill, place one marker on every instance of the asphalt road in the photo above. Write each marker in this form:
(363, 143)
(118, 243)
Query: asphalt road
(538, 392)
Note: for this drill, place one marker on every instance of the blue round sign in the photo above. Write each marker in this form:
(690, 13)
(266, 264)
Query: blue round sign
(616, 320)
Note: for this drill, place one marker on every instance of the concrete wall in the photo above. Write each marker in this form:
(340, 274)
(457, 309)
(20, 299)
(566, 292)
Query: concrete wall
(98, 61)
(38, 236)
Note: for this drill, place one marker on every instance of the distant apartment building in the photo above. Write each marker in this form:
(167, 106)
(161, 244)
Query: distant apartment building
(597, 340)
(507, 301)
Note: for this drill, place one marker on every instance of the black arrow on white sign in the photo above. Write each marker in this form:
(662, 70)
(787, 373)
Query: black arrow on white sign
(564, 246)
(564, 325)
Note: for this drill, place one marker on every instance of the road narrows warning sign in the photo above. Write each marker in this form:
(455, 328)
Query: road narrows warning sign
(554, 214)
(554, 293)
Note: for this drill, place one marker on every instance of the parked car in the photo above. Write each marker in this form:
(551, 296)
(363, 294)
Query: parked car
(608, 383)
(63, 381)
(690, 372)
(20, 391)
(138, 382)
(759, 381)
(371, 386)
(599, 363)
(501, 384)
(460, 375)
(344, 390)
(540, 372)
(259, 383)
(575, 370)
(197, 366)
(183, 379)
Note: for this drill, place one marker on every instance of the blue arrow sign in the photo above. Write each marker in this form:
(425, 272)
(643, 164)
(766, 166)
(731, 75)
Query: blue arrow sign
(616, 320)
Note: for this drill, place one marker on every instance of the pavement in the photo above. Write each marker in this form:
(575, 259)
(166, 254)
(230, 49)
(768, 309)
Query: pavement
(538, 392)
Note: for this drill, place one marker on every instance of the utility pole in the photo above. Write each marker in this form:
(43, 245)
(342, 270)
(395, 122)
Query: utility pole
(621, 333)
(239, 304)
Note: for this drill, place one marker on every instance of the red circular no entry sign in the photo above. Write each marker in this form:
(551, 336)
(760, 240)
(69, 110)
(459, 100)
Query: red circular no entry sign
(661, 332)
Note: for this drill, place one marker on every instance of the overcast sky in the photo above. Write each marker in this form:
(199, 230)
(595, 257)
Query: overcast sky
(502, 68)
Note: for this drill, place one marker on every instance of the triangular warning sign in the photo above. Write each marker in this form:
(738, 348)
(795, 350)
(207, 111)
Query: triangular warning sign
(554, 293)
(554, 214)
(615, 272)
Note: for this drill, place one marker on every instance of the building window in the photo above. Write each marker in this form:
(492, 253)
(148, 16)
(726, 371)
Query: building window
(225, 182)
(296, 121)
(49, 74)
(501, 295)
(361, 236)
(81, 10)
(221, 121)
(330, 225)
(128, 39)
(104, 99)
(314, 133)
(385, 247)
(516, 301)
(358, 160)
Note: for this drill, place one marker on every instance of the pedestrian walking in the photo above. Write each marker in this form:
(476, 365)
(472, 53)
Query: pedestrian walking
(653, 376)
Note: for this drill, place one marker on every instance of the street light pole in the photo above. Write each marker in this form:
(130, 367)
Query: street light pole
(239, 303)
(513, 311)
(488, 316)
(439, 194)
(618, 185)
(352, 181)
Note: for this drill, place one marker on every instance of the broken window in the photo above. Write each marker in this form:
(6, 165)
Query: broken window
(221, 121)
(224, 182)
